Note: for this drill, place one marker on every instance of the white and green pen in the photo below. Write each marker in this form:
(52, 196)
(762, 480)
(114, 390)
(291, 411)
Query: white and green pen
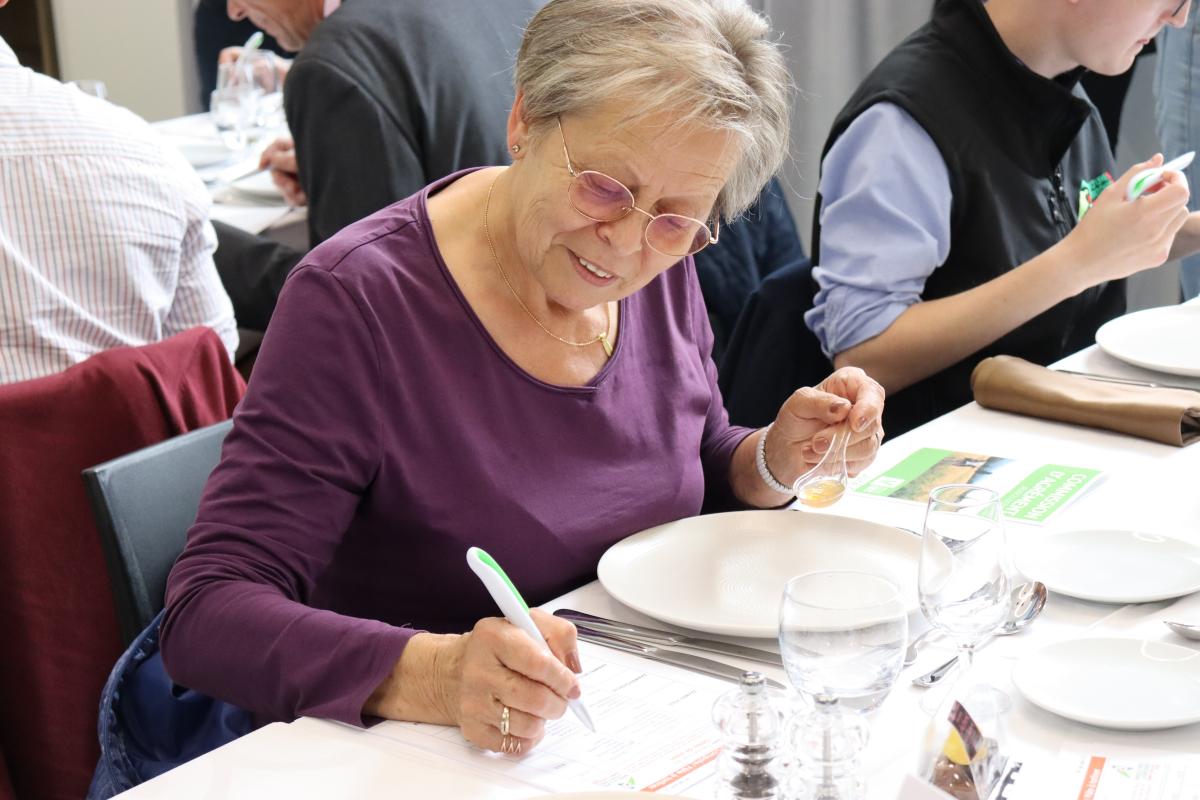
(1149, 177)
(515, 610)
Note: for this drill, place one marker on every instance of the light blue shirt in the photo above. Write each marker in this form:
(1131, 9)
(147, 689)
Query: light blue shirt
(885, 226)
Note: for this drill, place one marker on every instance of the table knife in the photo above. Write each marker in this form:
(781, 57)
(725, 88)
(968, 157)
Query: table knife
(628, 630)
(676, 658)
(231, 175)
(1127, 381)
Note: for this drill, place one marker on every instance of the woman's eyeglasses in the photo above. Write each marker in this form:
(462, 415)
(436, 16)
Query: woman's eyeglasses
(602, 198)
(1179, 7)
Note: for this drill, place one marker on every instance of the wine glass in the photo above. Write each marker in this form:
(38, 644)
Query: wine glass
(263, 72)
(841, 635)
(234, 103)
(962, 582)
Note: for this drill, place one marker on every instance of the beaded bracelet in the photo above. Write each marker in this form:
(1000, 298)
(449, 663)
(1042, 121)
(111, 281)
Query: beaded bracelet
(764, 472)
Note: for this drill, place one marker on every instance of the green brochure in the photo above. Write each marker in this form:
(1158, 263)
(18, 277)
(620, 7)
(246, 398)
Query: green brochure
(1028, 492)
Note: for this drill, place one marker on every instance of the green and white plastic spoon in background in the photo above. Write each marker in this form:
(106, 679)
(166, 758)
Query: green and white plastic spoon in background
(515, 610)
(253, 43)
(1147, 178)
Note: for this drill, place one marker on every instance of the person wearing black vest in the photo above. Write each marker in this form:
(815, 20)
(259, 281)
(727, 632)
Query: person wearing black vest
(948, 221)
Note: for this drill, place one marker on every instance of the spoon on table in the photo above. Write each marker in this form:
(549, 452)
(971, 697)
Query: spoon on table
(1028, 600)
(910, 655)
(1183, 629)
(824, 484)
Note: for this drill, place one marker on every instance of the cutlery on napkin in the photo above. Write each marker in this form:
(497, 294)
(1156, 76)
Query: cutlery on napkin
(1167, 415)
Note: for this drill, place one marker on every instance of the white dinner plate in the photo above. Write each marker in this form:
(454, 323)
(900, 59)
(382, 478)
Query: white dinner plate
(1113, 566)
(1125, 684)
(725, 573)
(1166, 339)
(259, 186)
(202, 153)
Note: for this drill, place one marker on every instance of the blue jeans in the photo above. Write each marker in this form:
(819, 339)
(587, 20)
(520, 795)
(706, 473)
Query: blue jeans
(149, 725)
(1177, 105)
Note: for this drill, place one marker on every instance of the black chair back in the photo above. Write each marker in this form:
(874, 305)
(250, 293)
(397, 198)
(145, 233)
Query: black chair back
(144, 503)
(751, 247)
(772, 353)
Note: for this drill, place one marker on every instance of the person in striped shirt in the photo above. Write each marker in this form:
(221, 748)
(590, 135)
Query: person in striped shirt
(104, 232)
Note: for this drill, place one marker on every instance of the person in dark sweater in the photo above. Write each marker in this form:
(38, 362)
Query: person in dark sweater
(948, 219)
(388, 95)
(383, 97)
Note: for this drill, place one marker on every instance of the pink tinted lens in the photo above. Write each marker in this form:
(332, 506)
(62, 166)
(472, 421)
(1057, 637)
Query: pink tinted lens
(676, 235)
(598, 196)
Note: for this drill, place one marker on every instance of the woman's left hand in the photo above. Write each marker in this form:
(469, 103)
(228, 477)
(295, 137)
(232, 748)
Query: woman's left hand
(808, 420)
(865, 417)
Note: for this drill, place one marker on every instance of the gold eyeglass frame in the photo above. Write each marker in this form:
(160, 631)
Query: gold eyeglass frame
(711, 238)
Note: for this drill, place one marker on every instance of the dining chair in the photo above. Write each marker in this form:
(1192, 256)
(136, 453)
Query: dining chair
(144, 502)
(61, 630)
(749, 248)
(771, 352)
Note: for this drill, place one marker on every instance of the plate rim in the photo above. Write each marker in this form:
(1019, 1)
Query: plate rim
(1023, 556)
(1116, 322)
(1029, 663)
(599, 794)
(260, 194)
(185, 145)
(757, 632)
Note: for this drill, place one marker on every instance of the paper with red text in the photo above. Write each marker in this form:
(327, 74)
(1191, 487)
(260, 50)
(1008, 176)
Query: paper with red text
(654, 733)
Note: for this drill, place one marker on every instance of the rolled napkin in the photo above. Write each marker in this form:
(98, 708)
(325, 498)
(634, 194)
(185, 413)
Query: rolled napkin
(1170, 416)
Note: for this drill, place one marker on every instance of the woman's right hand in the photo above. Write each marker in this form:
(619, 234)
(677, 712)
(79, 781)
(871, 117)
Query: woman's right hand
(1118, 237)
(468, 680)
(501, 666)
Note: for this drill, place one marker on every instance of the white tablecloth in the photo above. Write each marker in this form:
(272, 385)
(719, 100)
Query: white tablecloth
(1149, 486)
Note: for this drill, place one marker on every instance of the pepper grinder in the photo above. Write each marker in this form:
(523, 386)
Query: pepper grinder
(750, 724)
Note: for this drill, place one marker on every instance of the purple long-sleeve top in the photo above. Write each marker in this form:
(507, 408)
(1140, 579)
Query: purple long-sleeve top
(383, 433)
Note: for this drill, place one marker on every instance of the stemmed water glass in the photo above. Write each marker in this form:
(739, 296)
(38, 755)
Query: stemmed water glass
(248, 100)
(963, 584)
(263, 72)
(234, 104)
(841, 635)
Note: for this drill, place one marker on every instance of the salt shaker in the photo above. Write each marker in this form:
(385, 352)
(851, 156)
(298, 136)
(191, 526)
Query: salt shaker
(750, 724)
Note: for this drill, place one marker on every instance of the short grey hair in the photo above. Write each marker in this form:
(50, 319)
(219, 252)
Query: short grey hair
(710, 61)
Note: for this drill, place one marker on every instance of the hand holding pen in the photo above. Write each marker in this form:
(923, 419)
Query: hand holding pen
(499, 683)
(520, 679)
(1118, 236)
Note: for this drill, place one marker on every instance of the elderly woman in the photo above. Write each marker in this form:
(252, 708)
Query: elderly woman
(515, 358)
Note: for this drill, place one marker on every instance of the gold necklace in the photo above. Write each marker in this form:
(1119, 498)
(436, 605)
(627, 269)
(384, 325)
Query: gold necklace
(601, 337)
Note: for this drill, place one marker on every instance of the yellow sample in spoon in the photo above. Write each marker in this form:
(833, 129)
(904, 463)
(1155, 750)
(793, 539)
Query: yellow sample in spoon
(824, 484)
(824, 492)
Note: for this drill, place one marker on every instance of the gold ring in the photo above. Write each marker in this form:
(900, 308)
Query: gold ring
(504, 719)
(510, 745)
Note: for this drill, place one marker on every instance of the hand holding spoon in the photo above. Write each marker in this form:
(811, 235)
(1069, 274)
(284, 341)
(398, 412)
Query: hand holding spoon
(824, 484)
